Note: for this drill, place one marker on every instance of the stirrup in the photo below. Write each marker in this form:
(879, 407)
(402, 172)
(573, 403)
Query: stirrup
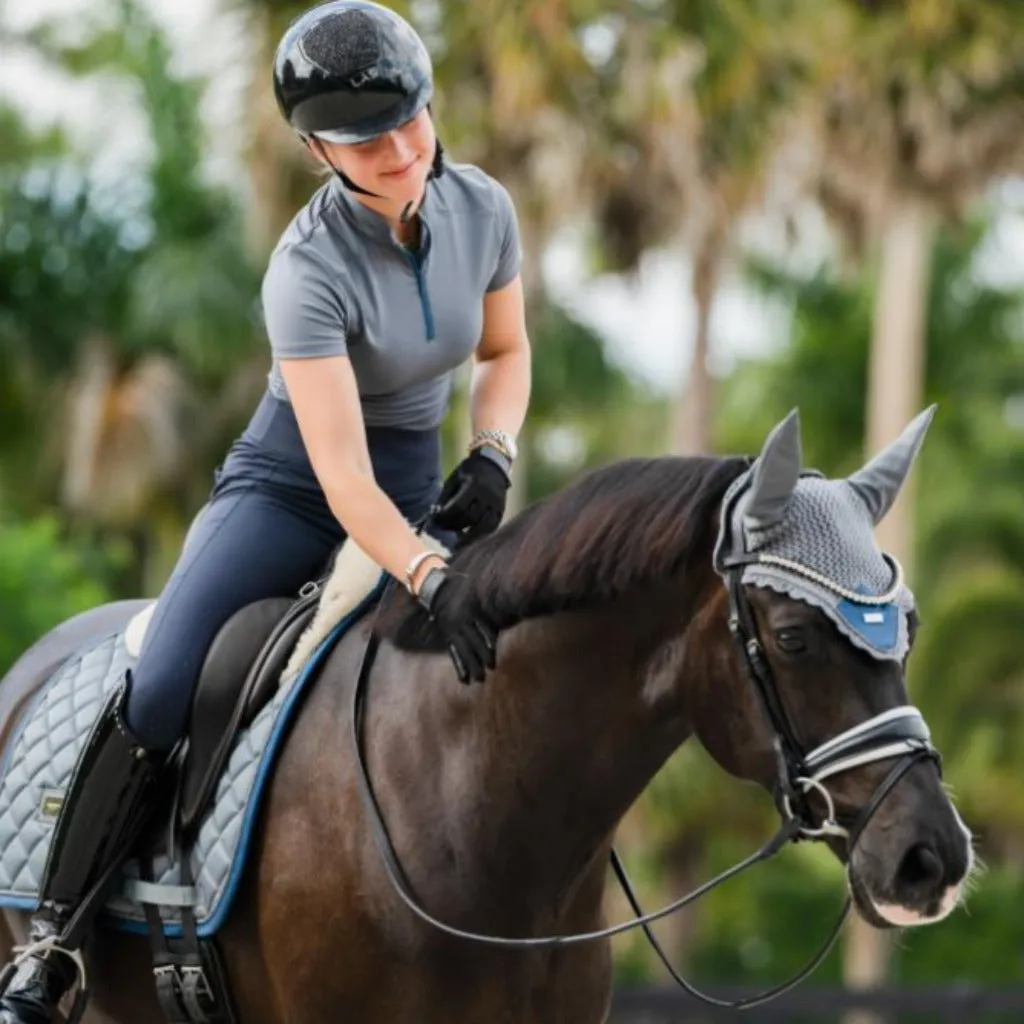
(51, 944)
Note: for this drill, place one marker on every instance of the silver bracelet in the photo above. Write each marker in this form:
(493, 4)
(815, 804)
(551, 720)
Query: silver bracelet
(415, 562)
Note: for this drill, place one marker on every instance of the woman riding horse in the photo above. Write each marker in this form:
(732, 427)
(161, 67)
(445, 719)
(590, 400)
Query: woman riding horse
(395, 272)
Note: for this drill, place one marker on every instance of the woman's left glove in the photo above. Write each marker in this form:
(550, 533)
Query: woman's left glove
(472, 500)
(471, 639)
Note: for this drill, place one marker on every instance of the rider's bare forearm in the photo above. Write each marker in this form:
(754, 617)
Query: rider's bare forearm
(500, 392)
(371, 519)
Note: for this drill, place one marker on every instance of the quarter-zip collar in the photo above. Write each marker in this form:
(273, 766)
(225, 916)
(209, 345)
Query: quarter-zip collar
(374, 225)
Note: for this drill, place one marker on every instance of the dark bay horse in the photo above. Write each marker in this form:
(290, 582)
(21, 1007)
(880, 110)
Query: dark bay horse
(502, 799)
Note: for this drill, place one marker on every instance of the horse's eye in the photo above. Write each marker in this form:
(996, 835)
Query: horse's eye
(791, 640)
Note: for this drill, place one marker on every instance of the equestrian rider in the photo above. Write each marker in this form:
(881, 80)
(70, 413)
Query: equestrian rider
(396, 271)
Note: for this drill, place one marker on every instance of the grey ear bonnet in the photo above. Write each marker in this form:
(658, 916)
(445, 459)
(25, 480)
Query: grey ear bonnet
(812, 539)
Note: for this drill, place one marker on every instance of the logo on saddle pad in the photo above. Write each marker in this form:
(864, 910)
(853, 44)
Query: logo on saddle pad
(50, 803)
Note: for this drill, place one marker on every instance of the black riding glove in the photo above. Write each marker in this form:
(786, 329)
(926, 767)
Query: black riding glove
(470, 638)
(472, 500)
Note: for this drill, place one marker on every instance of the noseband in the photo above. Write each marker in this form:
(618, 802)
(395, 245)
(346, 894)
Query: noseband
(898, 733)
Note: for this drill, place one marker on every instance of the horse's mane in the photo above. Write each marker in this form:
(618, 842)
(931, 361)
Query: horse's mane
(633, 521)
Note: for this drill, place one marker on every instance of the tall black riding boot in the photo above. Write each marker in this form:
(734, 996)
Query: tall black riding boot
(104, 809)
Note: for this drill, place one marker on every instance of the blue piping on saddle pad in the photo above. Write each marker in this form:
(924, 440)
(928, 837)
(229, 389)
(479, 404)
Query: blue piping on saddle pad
(208, 926)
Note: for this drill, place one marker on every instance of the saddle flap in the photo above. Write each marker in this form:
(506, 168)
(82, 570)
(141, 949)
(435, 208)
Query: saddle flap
(234, 656)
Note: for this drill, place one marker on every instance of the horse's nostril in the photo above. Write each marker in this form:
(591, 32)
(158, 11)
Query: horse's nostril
(921, 872)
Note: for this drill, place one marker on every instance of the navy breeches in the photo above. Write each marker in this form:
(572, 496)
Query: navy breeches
(266, 531)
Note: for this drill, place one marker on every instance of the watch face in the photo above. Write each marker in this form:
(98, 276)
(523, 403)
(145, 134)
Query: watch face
(499, 441)
(492, 453)
(507, 440)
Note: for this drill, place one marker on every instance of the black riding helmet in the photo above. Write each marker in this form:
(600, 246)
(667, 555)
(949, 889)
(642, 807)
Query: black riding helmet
(349, 70)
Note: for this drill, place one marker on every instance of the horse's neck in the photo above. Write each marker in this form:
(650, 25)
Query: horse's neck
(523, 780)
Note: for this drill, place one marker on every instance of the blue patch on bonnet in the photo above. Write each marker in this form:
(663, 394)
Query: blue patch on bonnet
(879, 624)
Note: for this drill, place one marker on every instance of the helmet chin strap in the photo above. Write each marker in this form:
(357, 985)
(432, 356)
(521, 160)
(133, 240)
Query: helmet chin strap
(349, 183)
(410, 208)
(436, 170)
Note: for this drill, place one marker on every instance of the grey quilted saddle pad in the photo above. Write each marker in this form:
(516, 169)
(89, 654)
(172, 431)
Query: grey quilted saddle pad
(44, 749)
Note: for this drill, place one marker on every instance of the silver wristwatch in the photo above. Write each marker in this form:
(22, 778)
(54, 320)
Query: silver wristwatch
(500, 439)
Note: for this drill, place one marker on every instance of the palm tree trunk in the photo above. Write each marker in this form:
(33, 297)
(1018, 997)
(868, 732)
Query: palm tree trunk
(693, 421)
(897, 365)
(278, 169)
(86, 421)
(895, 393)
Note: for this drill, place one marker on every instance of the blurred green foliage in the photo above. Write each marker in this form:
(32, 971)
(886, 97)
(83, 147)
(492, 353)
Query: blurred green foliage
(46, 579)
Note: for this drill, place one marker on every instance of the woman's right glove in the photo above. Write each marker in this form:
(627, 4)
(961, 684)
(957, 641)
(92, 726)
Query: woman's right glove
(472, 500)
(455, 613)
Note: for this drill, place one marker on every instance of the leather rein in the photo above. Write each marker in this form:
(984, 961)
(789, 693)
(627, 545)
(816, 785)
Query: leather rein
(897, 733)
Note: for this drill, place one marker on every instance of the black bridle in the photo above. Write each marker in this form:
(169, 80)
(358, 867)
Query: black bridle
(900, 733)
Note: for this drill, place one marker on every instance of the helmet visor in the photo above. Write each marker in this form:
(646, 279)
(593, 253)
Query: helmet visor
(349, 117)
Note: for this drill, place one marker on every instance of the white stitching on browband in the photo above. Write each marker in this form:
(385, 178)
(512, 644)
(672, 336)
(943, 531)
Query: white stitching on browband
(850, 595)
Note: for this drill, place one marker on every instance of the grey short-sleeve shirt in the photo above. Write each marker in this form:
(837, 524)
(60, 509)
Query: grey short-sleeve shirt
(339, 284)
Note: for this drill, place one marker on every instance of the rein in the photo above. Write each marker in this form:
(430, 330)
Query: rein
(899, 731)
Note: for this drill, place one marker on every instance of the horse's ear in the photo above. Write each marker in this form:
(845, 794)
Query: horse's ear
(776, 473)
(878, 483)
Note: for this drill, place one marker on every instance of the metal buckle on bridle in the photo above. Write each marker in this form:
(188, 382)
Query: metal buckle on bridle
(829, 826)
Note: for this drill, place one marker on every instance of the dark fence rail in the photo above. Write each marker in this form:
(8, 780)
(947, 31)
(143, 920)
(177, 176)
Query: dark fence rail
(807, 1005)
